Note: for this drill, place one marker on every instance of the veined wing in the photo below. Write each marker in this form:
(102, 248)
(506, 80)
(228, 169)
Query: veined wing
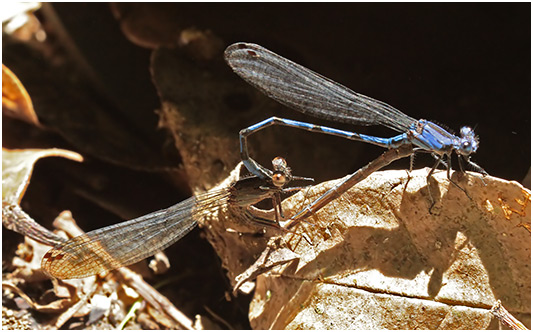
(128, 242)
(304, 90)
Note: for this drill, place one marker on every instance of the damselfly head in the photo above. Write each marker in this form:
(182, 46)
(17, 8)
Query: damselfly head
(468, 143)
(282, 172)
(279, 179)
(279, 163)
(467, 132)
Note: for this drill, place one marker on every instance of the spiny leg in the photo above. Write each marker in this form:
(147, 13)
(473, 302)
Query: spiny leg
(448, 175)
(476, 168)
(411, 164)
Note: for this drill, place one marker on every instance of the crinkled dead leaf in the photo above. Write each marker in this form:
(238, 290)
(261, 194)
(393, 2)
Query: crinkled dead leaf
(53, 307)
(72, 295)
(268, 259)
(76, 309)
(75, 297)
(188, 115)
(148, 25)
(16, 101)
(158, 25)
(380, 259)
(161, 318)
(17, 166)
(201, 45)
(15, 219)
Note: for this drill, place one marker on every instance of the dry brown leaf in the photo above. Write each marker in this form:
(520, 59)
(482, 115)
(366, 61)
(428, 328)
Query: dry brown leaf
(53, 307)
(158, 25)
(17, 166)
(201, 45)
(73, 294)
(74, 310)
(205, 157)
(381, 260)
(148, 25)
(15, 219)
(16, 101)
(268, 259)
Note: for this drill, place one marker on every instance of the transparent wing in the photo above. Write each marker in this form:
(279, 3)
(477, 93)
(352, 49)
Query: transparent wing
(304, 90)
(128, 242)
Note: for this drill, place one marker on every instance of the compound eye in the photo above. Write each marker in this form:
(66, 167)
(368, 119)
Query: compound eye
(466, 148)
(279, 163)
(279, 179)
(466, 131)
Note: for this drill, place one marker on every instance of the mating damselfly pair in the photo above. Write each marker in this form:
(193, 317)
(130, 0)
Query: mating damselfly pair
(299, 88)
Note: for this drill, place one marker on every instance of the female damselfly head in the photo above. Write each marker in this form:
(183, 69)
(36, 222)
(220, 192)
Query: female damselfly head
(468, 142)
(282, 173)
